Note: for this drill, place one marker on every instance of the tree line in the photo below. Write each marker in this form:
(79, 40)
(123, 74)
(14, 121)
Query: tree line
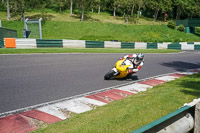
(171, 9)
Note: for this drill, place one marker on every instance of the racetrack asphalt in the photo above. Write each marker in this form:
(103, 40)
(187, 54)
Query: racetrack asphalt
(31, 79)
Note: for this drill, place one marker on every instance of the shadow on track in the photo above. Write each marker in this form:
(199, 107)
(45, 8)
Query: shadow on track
(130, 78)
(181, 66)
(191, 85)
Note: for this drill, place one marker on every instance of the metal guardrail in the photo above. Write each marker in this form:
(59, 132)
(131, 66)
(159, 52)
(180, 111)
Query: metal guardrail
(185, 119)
(189, 22)
(7, 33)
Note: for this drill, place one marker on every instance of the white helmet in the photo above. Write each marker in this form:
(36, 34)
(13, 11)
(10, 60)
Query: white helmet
(140, 57)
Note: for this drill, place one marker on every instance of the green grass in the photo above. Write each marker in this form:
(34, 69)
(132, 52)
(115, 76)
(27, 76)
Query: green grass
(134, 111)
(3, 16)
(83, 50)
(106, 32)
(102, 27)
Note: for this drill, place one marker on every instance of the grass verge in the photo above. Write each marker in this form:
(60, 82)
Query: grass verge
(84, 50)
(105, 32)
(132, 112)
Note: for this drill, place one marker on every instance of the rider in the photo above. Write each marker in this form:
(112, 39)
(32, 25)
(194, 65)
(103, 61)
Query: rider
(135, 61)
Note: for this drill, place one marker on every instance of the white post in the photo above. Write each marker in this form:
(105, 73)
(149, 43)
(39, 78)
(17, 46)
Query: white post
(197, 118)
(25, 24)
(0, 24)
(40, 27)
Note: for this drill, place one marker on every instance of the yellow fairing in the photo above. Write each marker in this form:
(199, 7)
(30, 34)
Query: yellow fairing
(122, 69)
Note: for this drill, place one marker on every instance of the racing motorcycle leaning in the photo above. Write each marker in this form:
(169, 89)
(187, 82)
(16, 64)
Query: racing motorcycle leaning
(120, 71)
(126, 66)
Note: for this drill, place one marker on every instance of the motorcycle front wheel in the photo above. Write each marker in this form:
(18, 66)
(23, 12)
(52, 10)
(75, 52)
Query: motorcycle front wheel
(109, 75)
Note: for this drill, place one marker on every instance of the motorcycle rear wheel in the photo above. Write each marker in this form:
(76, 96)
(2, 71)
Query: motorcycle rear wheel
(109, 75)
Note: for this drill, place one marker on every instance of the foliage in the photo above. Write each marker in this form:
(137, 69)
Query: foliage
(171, 24)
(197, 30)
(178, 9)
(181, 28)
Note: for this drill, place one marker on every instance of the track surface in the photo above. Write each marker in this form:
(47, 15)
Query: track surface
(27, 80)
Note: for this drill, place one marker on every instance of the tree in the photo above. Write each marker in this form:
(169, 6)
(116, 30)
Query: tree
(8, 10)
(132, 4)
(116, 4)
(159, 5)
(140, 4)
(99, 5)
(192, 8)
(92, 4)
(2, 5)
(61, 5)
(155, 5)
(71, 7)
(180, 6)
(82, 5)
(166, 6)
(125, 7)
(18, 8)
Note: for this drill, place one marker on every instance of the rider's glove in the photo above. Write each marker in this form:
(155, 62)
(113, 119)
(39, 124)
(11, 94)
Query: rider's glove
(135, 70)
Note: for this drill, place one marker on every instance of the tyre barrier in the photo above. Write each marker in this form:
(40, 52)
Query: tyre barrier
(1, 43)
(28, 43)
(37, 43)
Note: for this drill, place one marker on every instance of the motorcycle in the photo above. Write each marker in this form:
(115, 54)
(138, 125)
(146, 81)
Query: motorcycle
(120, 71)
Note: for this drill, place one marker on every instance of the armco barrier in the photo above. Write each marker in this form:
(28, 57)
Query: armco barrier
(180, 121)
(49, 43)
(35, 43)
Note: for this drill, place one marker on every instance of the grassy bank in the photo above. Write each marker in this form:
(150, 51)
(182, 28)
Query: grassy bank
(134, 111)
(103, 27)
(106, 32)
(104, 17)
(84, 50)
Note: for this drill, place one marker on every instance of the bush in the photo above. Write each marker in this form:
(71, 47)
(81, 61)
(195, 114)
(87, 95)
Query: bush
(171, 24)
(181, 28)
(197, 29)
(133, 20)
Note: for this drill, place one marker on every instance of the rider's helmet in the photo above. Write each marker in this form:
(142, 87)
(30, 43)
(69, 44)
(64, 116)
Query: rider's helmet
(139, 57)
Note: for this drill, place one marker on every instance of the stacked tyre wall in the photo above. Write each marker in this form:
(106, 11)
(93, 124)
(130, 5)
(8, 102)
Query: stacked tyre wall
(38, 43)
